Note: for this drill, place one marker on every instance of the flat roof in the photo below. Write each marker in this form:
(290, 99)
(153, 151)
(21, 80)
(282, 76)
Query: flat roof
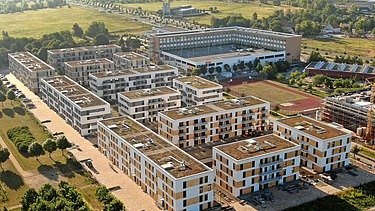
(84, 48)
(75, 92)
(89, 62)
(312, 127)
(147, 93)
(198, 82)
(225, 29)
(168, 156)
(130, 55)
(212, 108)
(256, 146)
(30, 61)
(135, 71)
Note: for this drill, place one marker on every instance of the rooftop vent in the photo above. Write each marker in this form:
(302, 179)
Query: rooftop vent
(167, 166)
(112, 126)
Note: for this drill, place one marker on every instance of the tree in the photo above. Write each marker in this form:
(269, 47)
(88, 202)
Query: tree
(211, 70)
(133, 43)
(226, 67)
(35, 150)
(50, 146)
(63, 143)
(96, 28)
(355, 150)
(28, 199)
(280, 78)
(318, 80)
(103, 195)
(3, 98)
(100, 39)
(218, 69)
(276, 2)
(316, 57)
(114, 205)
(77, 30)
(42, 54)
(259, 67)
(11, 96)
(4, 156)
(255, 16)
(241, 65)
(234, 68)
(196, 71)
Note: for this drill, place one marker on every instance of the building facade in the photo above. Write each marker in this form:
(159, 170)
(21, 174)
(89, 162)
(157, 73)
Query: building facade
(107, 85)
(29, 69)
(198, 91)
(145, 104)
(174, 179)
(252, 165)
(79, 70)
(57, 57)
(323, 147)
(168, 46)
(130, 60)
(214, 122)
(76, 105)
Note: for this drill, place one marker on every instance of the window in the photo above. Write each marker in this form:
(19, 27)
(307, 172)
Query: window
(184, 203)
(184, 194)
(184, 184)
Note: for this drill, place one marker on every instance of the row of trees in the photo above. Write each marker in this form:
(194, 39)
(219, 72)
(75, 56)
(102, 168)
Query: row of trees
(108, 200)
(50, 145)
(19, 6)
(64, 197)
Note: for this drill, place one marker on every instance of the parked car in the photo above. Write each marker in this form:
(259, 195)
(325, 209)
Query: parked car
(26, 100)
(9, 86)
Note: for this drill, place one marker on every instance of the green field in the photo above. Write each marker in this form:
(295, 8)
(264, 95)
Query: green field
(352, 46)
(225, 8)
(37, 23)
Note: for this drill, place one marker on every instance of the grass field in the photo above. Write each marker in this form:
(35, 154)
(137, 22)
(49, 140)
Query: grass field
(266, 92)
(37, 23)
(352, 46)
(225, 8)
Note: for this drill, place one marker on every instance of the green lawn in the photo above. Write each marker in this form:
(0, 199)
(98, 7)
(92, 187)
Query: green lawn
(14, 185)
(225, 8)
(267, 92)
(367, 152)
(352, 46)
(37, 23)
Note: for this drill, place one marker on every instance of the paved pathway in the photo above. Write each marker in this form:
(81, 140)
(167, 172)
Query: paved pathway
(130, 193)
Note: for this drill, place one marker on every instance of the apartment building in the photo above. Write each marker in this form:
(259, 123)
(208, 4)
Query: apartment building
(130, 60)
(214, 122)
(226, 45)
(324, 147)
(57, 57)
(76, 105)
(172, 177)
(79, 70)
(252, 165)
(349, 110)
(107, 84)
(198, 91)
(145, 104)
(29, 69)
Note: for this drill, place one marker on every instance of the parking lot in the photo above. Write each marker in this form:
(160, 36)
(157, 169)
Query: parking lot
(283, 199)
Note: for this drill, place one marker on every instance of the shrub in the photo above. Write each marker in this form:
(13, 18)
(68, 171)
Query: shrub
(22, 138)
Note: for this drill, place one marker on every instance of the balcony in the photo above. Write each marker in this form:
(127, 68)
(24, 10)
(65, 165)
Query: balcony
(278, 169)
(271, 163)
(269, 180)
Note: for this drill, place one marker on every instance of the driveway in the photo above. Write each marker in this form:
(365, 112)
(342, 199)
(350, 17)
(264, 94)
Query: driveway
(130, 193)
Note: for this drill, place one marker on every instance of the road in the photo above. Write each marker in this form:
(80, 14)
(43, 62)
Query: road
(129, 193)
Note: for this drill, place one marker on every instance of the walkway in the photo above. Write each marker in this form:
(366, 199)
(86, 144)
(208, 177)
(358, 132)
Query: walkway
(130, 193)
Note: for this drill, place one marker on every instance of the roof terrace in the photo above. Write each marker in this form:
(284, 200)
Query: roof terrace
(169, 157)
(89, 62)
(30, 61)
(147, 93)
(198, 82)
(130, 55)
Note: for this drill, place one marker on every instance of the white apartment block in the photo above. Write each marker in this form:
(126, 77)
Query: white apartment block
(107, 84)
(76, 105)
(145, 104)
(130, 60)
(251, 165)
(57, 57)
(324, 147)
(79, 70)
(29, 69)
(213, 122)
(198, 91)
(173, 178)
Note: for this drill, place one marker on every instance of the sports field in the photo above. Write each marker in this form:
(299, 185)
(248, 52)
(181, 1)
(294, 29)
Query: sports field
(289, 100)
(225, 8)
(37, 23)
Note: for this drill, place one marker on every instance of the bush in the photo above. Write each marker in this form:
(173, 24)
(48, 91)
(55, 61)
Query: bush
(22, 138)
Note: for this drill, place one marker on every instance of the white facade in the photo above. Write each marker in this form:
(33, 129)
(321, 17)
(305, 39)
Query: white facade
(29, 69)
(145, 104)
(198, 91)
(76, 105)
(107, 85)
(174, 185)
(323, 147)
